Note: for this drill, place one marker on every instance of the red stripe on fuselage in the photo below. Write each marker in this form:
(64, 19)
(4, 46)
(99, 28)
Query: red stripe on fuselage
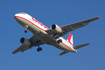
(30, 22)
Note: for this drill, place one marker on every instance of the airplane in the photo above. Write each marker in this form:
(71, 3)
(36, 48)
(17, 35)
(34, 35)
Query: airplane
(51, 36)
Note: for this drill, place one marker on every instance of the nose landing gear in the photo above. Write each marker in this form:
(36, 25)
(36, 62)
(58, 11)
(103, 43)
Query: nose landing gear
(26, 31)
(26, 27)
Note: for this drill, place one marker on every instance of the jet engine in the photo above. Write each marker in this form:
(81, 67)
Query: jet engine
(25, 42)
(56, 28)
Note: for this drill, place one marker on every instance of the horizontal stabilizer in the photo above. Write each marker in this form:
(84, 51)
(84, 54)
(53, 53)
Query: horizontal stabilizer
(79, 46)
(64, 52)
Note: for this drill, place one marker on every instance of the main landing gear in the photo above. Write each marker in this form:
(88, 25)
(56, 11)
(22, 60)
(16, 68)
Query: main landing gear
(56, 37)
(59, 41)
(39, 49)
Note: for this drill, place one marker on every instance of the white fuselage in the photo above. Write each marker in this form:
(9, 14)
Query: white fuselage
(39, 30)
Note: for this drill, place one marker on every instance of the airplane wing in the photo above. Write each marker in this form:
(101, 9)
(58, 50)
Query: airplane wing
(22, 48)
(73, 27)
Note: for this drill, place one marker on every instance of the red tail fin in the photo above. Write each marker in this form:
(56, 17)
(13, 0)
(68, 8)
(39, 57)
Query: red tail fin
(70, 39)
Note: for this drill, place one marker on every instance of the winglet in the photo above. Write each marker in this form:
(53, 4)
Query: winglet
(99, 17)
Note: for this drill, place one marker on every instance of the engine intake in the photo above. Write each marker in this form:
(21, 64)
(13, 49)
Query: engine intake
(25, 42)
(56, 28)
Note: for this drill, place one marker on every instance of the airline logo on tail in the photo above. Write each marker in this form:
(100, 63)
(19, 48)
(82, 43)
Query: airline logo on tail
(70, 39)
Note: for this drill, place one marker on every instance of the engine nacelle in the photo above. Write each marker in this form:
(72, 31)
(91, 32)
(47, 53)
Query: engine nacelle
(25, 42)
(56, 28)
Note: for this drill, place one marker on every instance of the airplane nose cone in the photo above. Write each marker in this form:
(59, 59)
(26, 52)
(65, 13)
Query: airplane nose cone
(15, 15)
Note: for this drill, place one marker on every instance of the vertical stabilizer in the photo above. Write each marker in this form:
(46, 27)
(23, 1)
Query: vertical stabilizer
(70, 39)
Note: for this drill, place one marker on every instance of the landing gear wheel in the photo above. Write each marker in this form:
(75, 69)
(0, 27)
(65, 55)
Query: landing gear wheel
(25, 31)
(59, 41)
(39, 49)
